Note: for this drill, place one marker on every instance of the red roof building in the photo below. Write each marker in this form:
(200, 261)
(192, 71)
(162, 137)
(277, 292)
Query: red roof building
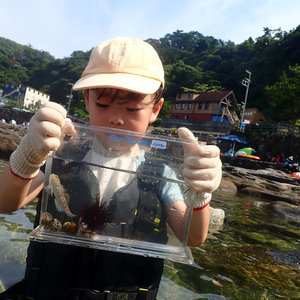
(205, 106)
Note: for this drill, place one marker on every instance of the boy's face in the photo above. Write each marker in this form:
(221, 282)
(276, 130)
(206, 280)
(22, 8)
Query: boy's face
(127, 111)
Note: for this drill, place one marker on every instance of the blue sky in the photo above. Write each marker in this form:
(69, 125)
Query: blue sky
(63, 26)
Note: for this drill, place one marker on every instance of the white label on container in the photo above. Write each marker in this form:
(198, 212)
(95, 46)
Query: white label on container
(158, 144)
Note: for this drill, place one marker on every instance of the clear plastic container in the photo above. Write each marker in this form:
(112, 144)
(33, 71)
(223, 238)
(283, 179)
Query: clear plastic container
(119, 191)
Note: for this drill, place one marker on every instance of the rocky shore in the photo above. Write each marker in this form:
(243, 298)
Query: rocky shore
(269, 184)
(10, 136)
(265, 180)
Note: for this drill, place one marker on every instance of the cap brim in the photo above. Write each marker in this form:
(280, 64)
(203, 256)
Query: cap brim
(129, 82)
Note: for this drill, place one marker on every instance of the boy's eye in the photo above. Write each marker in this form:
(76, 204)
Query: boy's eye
(102, 105)
(133, 109)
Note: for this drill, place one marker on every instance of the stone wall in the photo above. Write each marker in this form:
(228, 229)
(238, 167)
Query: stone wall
(10, 136)
(20, 117)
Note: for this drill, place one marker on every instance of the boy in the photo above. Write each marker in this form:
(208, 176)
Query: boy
(122, 85)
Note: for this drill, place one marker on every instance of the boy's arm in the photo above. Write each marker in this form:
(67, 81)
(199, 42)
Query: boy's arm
(202, 171)
(22, 180)
(198, 227)
(16, 192)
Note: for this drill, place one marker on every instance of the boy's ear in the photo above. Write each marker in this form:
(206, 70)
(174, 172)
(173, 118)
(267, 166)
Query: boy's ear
(156, 110)
(87, 99)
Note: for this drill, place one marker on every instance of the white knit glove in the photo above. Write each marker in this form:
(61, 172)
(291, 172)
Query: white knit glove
(42, 137)
(202, 168)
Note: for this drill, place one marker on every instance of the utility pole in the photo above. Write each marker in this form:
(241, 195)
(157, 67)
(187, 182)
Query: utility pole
(70, 97)
(246, 83)
(19, 101)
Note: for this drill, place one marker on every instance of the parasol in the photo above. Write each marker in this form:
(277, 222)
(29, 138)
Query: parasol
(233, 139)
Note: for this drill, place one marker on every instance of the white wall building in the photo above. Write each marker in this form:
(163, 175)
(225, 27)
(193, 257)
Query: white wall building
(27, 96)
(33, 96)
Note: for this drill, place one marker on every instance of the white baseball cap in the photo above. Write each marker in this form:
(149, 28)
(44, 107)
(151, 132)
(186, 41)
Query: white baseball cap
(123, 63)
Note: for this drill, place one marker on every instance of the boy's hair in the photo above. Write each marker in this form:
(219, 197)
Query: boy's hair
(123, 63)
(158, 95)
(129, 96)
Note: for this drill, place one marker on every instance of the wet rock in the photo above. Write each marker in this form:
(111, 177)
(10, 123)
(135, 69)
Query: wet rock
(281, 245)
(217, 216)
(227, 186)
(258, 237)
(287, 257)
(269, 184)
(285, 210)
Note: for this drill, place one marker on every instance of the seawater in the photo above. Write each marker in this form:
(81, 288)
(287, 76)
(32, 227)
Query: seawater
(14, 229)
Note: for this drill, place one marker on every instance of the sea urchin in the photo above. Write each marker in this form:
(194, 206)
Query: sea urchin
(94, 216)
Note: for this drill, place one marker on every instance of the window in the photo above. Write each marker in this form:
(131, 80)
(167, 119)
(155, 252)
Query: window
(200, 105)
(186, 117)
(175, 117)
(176, 106)
(190, 106)
(190, 95)
(182, 105)
(206, 105)
(179, 96)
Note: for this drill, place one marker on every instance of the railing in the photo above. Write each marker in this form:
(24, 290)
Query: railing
(231, 115)
(273, 128)
(226, 112)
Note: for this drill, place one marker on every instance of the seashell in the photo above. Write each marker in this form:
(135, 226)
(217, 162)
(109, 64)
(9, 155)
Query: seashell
(70, 228)
(55, 225)
(46, 219)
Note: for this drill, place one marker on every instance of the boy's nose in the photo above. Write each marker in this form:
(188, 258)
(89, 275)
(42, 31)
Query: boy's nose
(116, 119)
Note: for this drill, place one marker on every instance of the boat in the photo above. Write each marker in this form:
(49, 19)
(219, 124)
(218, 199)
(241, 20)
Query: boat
(247, 156)
(295, 174)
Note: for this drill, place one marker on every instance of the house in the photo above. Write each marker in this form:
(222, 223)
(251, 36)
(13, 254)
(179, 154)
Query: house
(205, 106)
(25, 96)
(254, 116)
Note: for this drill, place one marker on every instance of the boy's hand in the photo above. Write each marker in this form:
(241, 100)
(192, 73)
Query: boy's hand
(202, 168)
(46, 127)
(43, 136)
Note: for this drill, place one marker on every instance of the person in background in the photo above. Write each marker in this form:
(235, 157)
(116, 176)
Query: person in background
(276, 159)
(123, 84)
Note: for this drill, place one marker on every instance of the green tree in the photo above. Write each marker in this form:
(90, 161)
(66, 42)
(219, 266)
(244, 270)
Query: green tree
(190, 60)
(204, 87)
(284, 95)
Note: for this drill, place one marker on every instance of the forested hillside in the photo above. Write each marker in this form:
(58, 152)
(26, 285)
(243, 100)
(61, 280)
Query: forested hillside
(191, 61)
